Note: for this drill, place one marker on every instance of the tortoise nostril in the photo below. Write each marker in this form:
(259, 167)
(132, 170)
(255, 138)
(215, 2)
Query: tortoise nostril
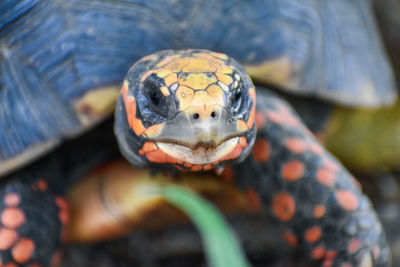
(196, 116)
(213, 114)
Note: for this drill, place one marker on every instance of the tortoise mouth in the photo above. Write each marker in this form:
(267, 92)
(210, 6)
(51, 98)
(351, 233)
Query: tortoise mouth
(205, 152)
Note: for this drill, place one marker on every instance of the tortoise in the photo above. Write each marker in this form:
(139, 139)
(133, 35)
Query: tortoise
(62, 64)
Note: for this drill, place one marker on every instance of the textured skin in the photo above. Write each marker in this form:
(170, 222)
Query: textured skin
(318, 204)
(174, 100)
(53, 52)
(33, 211)
(28, 235)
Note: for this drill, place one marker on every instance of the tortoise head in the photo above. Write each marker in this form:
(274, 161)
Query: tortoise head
(192, 110)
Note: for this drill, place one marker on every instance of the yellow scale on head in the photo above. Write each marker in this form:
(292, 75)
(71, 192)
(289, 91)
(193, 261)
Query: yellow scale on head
(200, 78)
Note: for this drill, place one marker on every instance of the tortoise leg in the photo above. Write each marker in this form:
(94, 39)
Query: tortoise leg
(31, 222)
(318, 204)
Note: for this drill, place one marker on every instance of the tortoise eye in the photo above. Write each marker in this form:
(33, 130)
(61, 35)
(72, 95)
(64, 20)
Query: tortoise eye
(155, 95)
(238, 94)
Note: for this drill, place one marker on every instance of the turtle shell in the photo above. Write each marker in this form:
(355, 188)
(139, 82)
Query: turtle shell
(61, 62)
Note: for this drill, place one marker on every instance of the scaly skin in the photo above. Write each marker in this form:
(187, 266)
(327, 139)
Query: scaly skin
(318, 204)
(316, 201)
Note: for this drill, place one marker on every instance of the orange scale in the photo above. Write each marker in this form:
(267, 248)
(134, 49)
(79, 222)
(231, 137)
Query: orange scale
(208, 167)
(42, 185)
(293, 170)
(261, 150)
(61, 202)
(157, 156)
(7, 238)
(254, 199)
(196, 168)
(353, 246)
(63, 216)
(187, 164)
(326, 177)
(316, 148)
(23, 250)
(12, 217)
(148, 147)
(12, 199)
(290, 238)
(56, 259)
(147, 74)
(167, 60)
(251, 118)
(331, 254)
(313, 234)
(319, 211)
(318, 253)
(260, 119)
(170, 79)
(331, 165)
(276, 117)
(283, 206)
(327, 263)
(347, 200)
(296, 145)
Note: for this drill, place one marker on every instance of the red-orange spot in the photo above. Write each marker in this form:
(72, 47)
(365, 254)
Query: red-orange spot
(23, 250)
(12, 217)
(326, 177)
(313, 234)
(56, 260)
(318, 253)
(254, 199)
(12, 199)
(283, 206)
(319, 211)
(148, 147)
(42, 185)
(7, 238)
(61, 203)
(260, 119)
(331, 166)
(316, 148)
(261, 150)
(296, 145)
(227, 174)
(353, 246)
(63, 215)
(290, 238)
(293, 170)
(330, 254)
(347, 200)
